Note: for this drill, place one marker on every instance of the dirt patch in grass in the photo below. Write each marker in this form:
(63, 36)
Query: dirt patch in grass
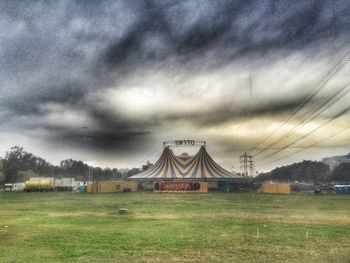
(6, 213)
(309, 219)
(76, 214)
(159, 216)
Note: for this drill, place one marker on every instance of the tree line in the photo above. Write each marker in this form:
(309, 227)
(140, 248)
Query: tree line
(308, 171)
(19, 165)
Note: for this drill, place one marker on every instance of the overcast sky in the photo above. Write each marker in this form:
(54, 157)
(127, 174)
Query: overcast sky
(107, 82)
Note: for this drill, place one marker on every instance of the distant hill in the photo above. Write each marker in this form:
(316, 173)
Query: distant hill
(335, 161)
(341, 173)
(306, 171)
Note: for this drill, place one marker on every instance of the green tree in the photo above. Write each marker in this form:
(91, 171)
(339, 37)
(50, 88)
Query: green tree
(341, 173)
(108, 174)
(2, 177)
(307, 171)
(23, 176)
(134, 171)
(19, 160)
(97, 173)
(73, 168)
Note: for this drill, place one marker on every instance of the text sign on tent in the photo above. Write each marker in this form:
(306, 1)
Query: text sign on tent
(185, 143)
(177, 186)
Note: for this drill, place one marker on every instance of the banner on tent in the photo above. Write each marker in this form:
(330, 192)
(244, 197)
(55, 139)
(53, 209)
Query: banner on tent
(177, 186)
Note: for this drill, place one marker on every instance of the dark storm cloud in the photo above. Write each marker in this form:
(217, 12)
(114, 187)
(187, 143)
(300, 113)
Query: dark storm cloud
(227, 30)
(61, 52)
(29, 104)
(123, 139)
(231, 112)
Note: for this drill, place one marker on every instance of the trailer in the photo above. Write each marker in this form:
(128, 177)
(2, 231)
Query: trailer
(64, 184)
(39, 184)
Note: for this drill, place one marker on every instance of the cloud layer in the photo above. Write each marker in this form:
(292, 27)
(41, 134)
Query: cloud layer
(114, 78)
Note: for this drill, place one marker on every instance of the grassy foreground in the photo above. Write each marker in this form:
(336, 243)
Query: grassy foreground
(213, 227)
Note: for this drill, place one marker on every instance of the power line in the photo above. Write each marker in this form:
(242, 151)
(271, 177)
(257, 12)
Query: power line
(332, 100)
(340, 65)
(213, 149)
(221, 156)
(222, 159)
(153, 152)
(339, 114)
(323, 107)
(307, 147)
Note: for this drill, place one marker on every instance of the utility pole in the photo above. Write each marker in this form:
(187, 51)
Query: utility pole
(90, 174)
(247, 164)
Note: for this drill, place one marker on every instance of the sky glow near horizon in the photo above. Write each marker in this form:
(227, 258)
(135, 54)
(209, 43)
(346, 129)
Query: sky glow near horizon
(107, 82)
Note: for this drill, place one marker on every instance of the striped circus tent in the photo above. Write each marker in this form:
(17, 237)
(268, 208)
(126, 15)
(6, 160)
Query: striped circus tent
(199, 166)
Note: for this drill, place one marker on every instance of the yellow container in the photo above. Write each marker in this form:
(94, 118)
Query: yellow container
(204, 187)
(112, 186)
(275, 188)
(91, 187)
(117, 186)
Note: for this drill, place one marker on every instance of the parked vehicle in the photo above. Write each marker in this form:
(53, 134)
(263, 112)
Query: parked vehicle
(78, 186)
(39, 184)
(17, 187)
(8, 187)
(64, 184)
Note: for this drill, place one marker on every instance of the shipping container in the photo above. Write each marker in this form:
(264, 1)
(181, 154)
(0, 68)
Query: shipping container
(275, 188)
(91, 187)
(117, 186)
(112, 186)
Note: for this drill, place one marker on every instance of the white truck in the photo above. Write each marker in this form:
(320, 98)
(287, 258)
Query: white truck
(64, 184)
(18, 187)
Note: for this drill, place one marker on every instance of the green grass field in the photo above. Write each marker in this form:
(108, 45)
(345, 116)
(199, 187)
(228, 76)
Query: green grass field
(213, 227)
